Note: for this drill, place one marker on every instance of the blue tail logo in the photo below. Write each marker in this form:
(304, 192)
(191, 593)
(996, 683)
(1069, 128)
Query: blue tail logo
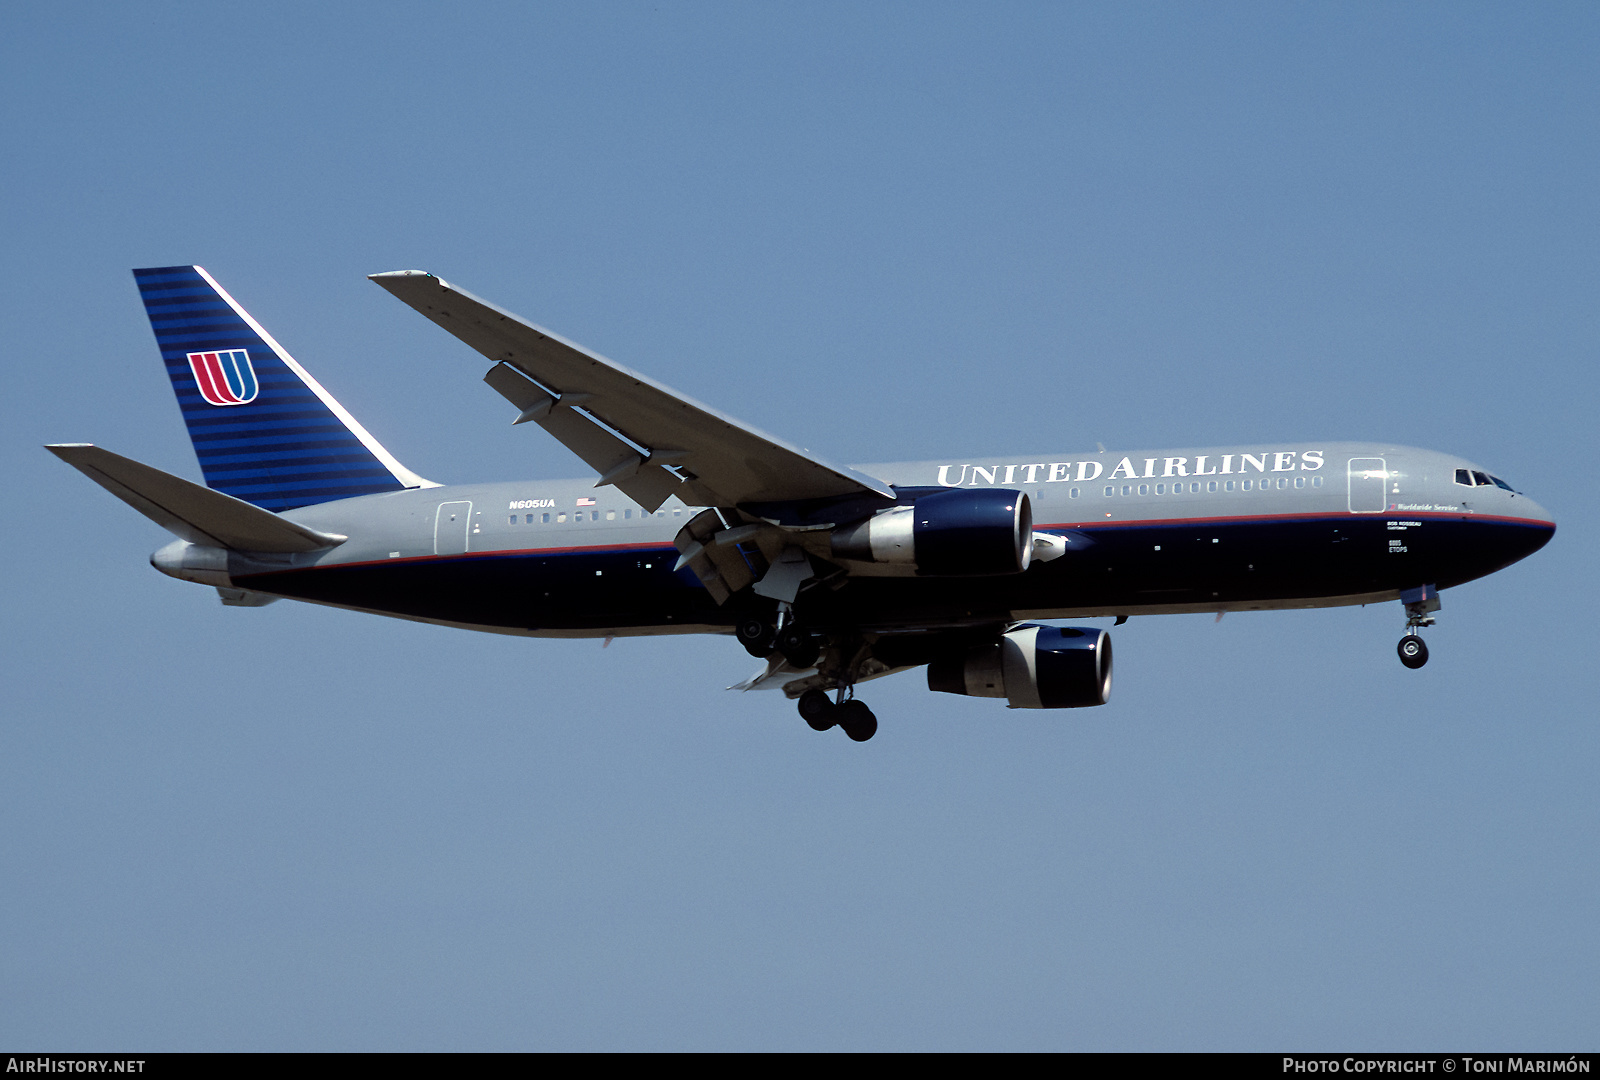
(225, 378)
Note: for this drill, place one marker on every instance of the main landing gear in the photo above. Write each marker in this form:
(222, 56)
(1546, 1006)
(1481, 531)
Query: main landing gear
(1420, 604)
(856, 720)
(799, 646)
(837, 658)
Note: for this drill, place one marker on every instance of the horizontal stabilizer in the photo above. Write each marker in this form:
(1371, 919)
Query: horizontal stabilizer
(189, 511)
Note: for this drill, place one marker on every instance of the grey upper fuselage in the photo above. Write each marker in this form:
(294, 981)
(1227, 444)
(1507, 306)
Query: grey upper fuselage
(1381, 494)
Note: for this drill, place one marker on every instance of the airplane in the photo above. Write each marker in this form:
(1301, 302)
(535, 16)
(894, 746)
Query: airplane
(700, 524)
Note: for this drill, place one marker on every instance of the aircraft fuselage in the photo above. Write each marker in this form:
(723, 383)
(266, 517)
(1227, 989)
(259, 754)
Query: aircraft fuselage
(1147, 532)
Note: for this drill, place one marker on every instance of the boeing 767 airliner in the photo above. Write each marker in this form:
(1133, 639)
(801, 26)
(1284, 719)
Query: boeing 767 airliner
(698, 523)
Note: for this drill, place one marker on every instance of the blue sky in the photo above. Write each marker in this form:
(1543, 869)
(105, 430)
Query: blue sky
(888, 231)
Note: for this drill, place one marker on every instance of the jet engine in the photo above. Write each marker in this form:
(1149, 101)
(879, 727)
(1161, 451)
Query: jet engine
(977, 532)
(1032, 667)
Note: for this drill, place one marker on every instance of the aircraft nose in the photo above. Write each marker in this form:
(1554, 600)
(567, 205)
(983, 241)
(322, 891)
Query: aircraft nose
(1534, 512)
(1544, 524)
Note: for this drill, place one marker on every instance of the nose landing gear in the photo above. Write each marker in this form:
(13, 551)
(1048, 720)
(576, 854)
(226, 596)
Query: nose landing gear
(1420, 603)
(1413, 651)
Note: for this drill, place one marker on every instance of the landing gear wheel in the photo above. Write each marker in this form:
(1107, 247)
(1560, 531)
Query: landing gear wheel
(817, 711)
(857, 720)
(755, 635)
(798, 647)
(1413, 651)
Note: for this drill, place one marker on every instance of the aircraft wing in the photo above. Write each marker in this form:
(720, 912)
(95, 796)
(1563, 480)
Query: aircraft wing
(669, 444)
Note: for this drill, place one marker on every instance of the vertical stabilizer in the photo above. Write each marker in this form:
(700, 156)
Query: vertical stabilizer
(264, 430)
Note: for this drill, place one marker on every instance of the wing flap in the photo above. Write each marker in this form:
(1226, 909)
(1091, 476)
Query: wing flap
(617, 462)
(721, 461)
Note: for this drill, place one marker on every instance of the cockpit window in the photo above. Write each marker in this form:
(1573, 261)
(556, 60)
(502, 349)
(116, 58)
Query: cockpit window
(1474, 478)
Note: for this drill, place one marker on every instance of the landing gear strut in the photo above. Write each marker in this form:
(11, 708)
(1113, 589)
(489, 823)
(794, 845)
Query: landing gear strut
(1420, 604)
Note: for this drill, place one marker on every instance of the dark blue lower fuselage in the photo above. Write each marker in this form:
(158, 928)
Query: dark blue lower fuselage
(1120, 568)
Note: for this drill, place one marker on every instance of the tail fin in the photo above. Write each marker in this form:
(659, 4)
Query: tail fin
(263, 429)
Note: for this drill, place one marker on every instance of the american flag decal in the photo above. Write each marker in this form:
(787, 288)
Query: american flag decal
(585, 502)
(225, 377)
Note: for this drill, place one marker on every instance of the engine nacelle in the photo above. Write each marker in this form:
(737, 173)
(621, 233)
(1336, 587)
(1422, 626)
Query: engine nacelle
(978, 532)
(1033, 667)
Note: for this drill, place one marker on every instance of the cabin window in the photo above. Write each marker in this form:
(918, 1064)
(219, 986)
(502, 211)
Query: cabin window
(560, 518)
(1299, 481)
(544, 519)
(1111, 491)
(594, 515)
(1316, 481)
(513, 519)
(1211, 486)
(1073, 494)
(611, 515)
(1161, 489)
(1228, 486)
(627, 514)
(1244, 485)
(1283, 482)
(1127, 489)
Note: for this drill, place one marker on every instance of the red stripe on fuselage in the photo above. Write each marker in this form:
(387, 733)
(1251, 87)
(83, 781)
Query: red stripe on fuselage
(1391, 515)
